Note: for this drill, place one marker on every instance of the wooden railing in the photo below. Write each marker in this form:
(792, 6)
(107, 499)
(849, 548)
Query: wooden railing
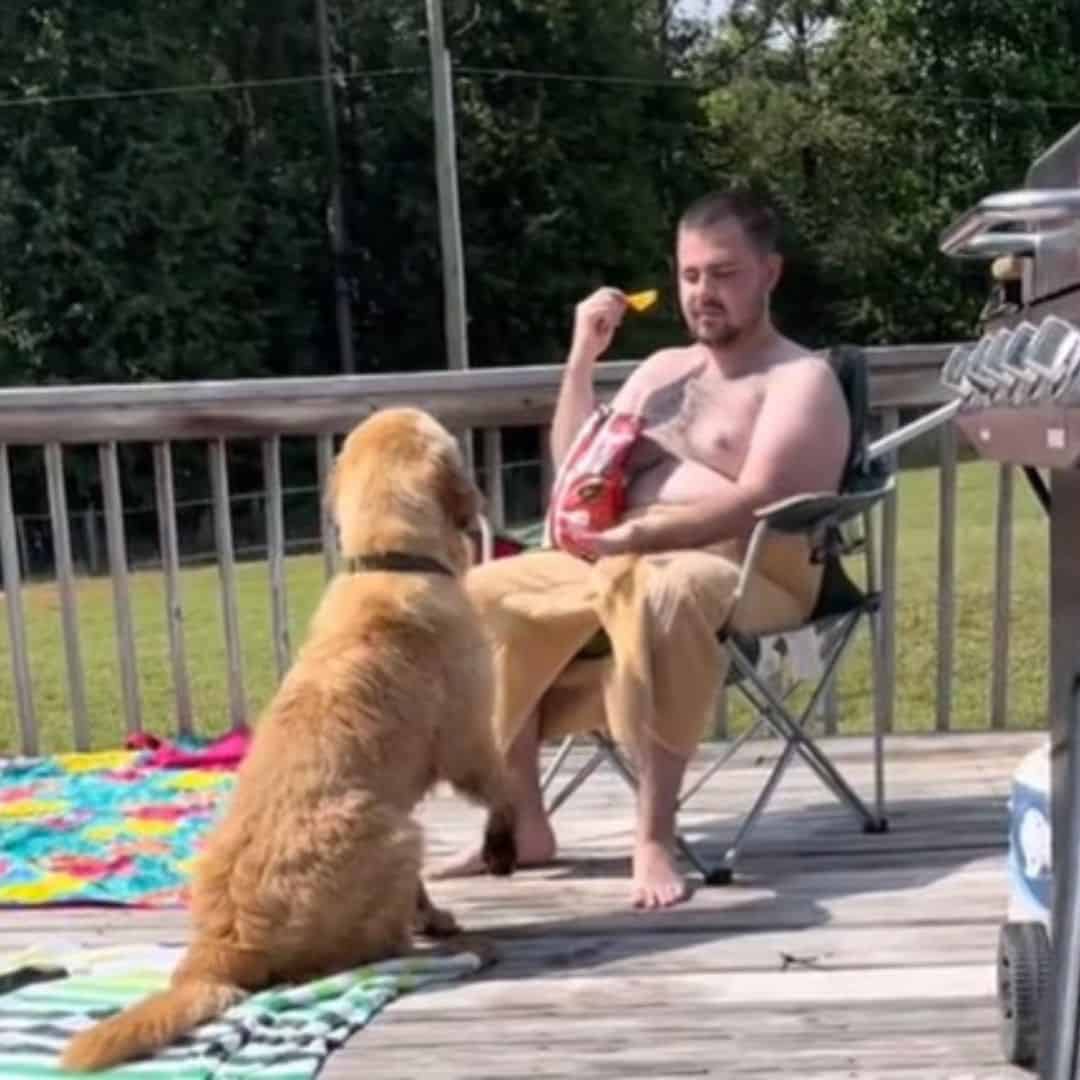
(485, 400)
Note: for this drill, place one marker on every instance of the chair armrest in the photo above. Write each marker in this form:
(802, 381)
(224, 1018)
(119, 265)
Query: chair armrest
(811, 511)
(806, 514)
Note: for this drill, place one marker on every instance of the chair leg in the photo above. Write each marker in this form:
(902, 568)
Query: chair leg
(576, 780)
(797, 741)
(731, 856)
(716, 766)
(560, 758)
(789, 728)
(760, 708)
(879, 727)
(809, 751)
(872, 573)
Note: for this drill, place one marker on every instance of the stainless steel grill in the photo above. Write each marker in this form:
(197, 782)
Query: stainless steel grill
(1017, 399)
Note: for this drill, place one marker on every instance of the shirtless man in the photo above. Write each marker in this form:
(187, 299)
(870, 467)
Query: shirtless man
(759, 419)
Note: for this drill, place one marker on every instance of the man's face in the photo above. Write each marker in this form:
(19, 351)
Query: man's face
(724, 282)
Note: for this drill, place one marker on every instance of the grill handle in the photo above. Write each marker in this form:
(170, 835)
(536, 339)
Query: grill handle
(968, 235)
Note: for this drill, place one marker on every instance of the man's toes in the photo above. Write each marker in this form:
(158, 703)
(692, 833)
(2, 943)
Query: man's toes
(671, 892)
(674, 894)
(650, 896)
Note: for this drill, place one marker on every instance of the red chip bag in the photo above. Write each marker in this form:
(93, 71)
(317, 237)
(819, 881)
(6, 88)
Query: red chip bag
(589, 493)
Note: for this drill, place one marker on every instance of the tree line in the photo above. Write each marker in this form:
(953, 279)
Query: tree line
(164, 188)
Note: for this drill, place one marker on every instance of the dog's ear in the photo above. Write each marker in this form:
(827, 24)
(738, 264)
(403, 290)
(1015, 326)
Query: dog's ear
(459, 496)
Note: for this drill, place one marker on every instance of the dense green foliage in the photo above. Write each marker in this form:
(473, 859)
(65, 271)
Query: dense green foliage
(178, 235)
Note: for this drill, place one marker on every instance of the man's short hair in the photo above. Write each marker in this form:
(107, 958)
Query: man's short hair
(750, 209)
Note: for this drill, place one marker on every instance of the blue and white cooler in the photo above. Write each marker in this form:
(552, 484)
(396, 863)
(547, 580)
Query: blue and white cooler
(1030, 873)
(1023, 966)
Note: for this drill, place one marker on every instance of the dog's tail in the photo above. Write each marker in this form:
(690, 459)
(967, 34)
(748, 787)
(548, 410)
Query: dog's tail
(150, 1024)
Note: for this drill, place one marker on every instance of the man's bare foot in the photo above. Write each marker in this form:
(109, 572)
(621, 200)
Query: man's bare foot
(535, 844)
(657, 884)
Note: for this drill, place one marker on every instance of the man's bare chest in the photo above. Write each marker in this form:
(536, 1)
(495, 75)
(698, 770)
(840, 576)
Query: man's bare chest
(710, 422)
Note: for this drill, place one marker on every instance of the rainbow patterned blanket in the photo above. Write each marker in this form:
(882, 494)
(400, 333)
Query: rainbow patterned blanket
(114, 827)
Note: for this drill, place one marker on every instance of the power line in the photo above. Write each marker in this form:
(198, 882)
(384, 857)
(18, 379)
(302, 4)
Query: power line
(569, 76)
(704, 88)
(470, 71)
(183, 89)
(91, 96)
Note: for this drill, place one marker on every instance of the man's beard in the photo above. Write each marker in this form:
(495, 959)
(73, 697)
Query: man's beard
(718, 333)
(721, 332)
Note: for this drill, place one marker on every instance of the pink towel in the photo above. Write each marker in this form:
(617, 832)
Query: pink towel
(225, 752)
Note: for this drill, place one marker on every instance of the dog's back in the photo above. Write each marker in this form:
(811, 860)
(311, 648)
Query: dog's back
(349, 745)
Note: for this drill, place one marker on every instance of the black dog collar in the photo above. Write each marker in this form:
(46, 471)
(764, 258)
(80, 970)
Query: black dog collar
(398, 562)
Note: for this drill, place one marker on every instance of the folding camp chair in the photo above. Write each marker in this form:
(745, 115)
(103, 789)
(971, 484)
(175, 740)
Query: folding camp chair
(832, 519)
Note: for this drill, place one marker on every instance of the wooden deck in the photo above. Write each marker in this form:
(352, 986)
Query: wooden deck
(836, 954)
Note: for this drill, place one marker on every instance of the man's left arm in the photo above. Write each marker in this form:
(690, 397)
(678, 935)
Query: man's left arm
(799, 445)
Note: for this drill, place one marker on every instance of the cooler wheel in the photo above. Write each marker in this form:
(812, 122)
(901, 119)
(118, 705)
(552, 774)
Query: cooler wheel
(1023, 971)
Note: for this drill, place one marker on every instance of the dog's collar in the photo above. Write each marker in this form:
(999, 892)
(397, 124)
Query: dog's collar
(397, 562)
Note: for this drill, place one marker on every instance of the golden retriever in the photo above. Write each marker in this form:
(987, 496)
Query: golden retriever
(315, 865)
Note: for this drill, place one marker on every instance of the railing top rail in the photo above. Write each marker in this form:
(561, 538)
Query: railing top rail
(903, 375)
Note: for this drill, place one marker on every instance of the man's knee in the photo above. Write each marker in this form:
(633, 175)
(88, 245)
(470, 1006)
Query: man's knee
(533, 573)
(489, 584)
(485, 584)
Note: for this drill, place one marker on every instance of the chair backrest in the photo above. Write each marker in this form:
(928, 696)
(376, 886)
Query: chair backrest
(849, 364)
(839, 594)
(852, 372)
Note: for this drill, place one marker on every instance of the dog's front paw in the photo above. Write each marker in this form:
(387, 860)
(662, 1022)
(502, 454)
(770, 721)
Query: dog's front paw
(436, 923)
(500, 847)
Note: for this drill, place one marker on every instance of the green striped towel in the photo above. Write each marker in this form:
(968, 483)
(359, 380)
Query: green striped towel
(280, 1034)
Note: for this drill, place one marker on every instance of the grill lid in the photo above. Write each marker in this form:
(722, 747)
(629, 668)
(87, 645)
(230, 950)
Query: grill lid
(1039, 222)
(1056, 265)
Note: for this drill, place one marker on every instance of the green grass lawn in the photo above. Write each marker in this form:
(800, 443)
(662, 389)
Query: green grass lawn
(916, 630)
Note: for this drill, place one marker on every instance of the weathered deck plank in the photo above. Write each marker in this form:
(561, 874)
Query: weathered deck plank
(835, 955)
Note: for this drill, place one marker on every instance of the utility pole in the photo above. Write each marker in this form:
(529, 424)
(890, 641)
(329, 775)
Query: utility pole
(336, 225)
(453, 261)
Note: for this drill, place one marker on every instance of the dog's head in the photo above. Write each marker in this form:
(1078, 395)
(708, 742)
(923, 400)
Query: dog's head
(400, 484)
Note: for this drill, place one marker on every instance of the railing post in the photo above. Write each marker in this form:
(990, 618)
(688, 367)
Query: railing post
(170, 564)
(493, 474)
(946, 590)
(117, 545)
(219, 483)
(889, 534)
(327, 529)
(16, 616)
(999, 665)
(275, 553)
(65, 580)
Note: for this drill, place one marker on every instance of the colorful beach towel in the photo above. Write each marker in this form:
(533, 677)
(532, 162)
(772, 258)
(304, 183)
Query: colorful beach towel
(280, 1034)
(117, 827)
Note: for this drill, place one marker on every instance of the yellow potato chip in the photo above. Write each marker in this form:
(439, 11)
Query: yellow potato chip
(642, 301)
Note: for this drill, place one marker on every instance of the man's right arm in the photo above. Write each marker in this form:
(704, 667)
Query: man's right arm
(576, 400)
(595, 321)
